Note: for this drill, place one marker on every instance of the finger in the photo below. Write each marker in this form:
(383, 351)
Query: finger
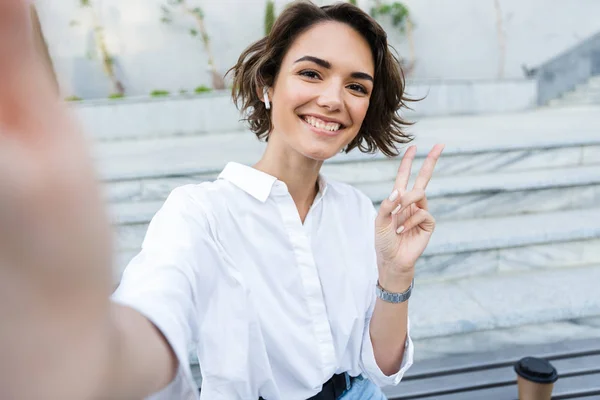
(25, 90)
(423, 203)
(389, 204)
(405, 167)
(16, 44)
(422, 219)
(15, 35)
(407, 199)
(426, 171)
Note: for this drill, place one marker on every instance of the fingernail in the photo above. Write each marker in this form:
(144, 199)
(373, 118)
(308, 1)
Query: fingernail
(394, 195)
(400, 230)
(397, 209)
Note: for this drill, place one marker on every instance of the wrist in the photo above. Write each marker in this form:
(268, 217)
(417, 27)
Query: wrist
(396, 283)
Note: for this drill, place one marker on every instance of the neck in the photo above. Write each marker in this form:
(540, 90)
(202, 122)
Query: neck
(298, 172)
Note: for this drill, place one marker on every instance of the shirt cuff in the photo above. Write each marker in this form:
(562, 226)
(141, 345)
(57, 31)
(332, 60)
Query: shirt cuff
(372, 370)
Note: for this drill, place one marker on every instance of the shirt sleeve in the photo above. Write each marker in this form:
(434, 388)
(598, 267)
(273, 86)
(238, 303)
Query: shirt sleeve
(169, 280)
(367, 357)
(370, 367)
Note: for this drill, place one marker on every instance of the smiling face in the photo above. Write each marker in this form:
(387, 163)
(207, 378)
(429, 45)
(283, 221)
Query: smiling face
(322, 91)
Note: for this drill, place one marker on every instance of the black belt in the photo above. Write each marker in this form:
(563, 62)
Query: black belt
(333, 388)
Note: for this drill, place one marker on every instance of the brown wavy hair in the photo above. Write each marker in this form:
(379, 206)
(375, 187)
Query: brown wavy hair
(258, 66)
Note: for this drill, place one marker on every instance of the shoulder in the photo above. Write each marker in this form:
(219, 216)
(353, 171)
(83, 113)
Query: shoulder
(197, 198)
(187, 210)
(198, 193)
(194, 206)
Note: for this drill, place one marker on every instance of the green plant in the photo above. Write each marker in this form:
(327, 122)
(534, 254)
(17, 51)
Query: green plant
(183, 91)
(73, 98)
(353, 2)
(269, 16)
(159, 93)
(168, 11)
(202, 89)
(116, 96)
(398, 13)
(108, 61)
(400, 18)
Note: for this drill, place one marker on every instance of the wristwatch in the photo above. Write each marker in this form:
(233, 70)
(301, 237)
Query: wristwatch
(394, 297)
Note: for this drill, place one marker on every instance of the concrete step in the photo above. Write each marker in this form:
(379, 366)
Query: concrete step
(587, 94)
(594, 81)
(543, 241)
(519, 136)
(450, 197)
(581, 102)
(571, 103)
(586, 89)
(506, 301)
(478, 342)
(561, 103)
(505, 194)
(205, 156)
(129, 118)
(151, 184)
(475, 247)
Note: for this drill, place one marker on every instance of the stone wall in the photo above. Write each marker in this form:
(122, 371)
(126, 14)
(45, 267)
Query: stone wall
(452, 39)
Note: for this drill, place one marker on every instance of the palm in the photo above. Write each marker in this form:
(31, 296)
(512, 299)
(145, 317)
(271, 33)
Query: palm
(54, 236)
(400, 251)
(49, 201)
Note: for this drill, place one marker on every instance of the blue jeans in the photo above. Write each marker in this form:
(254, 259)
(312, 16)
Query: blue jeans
(363, 389)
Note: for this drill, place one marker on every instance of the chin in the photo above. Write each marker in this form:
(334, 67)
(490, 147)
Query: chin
(320, 153)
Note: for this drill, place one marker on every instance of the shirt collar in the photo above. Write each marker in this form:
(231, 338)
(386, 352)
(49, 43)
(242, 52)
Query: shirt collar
(258, 184)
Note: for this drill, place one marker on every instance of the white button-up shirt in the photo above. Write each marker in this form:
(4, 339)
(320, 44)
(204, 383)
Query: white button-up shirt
(274, 307)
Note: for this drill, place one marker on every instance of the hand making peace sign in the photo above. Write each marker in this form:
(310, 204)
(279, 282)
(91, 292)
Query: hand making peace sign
(404, 225)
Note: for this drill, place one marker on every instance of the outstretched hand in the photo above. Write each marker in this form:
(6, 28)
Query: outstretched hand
(404, 225)
(52, 220)
(55, 247)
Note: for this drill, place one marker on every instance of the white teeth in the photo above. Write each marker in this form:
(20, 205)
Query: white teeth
(319, 124)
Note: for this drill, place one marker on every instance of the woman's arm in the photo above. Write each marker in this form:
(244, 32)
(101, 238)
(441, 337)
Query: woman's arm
(142, 362)
(60, 336)
(389, 329)
(403, 228)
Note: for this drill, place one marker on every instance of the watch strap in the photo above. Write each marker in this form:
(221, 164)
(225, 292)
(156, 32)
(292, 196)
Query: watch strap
(391, 297)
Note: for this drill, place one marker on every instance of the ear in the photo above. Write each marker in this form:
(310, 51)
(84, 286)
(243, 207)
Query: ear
(260, 92)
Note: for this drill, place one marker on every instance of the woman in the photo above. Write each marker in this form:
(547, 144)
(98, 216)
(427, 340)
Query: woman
(289, 285)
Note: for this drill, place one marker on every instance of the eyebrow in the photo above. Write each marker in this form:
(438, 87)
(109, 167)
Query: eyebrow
(327, 65)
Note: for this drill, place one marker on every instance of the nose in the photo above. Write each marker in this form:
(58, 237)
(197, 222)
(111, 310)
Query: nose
(331, 96)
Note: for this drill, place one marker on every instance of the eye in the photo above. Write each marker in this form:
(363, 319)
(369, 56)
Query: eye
(310, 74)
(358, 88)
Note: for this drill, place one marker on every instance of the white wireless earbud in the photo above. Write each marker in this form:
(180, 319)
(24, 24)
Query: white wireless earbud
(266, 98)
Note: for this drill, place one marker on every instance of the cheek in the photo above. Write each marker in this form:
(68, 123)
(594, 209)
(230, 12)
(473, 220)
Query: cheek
(295, 92)
(358, 111)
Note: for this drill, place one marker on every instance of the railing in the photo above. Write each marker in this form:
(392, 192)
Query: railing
(562, 73)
